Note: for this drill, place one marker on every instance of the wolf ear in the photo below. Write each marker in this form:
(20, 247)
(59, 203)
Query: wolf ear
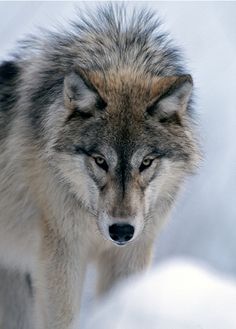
(171, 97)
(81, 96)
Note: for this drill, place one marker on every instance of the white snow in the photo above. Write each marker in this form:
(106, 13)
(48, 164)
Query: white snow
(178, 294)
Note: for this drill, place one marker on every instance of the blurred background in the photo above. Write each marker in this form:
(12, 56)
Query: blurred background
(203, 224)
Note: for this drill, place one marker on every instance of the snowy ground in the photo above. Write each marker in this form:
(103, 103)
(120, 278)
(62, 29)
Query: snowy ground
(179, 294)
(203, 225)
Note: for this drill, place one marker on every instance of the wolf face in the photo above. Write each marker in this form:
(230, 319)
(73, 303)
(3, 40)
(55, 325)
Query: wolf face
(125, 146)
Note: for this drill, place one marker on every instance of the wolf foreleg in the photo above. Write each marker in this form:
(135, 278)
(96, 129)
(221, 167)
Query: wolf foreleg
(58, 281)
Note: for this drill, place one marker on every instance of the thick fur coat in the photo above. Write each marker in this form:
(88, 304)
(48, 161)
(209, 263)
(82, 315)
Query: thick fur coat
(97, 137)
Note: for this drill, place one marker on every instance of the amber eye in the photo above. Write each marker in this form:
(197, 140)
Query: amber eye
(101, 162)
(145, 164)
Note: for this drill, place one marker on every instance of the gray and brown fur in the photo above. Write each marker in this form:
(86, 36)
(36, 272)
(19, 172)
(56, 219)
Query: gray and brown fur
(112, 87)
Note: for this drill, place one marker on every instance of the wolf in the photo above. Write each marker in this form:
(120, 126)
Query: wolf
(97, 135)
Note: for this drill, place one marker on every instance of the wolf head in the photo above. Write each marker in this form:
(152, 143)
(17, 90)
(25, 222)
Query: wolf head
(112, 101)
(129, 145)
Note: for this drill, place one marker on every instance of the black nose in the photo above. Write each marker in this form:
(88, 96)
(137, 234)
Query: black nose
(121, 232)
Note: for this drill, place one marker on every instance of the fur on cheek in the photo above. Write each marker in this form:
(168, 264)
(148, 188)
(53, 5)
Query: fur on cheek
(73, 171)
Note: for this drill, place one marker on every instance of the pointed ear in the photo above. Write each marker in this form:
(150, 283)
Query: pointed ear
(172, 97)
(80, 95)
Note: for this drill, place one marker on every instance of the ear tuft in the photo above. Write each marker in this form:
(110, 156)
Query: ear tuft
(80, 95)
(172, 97)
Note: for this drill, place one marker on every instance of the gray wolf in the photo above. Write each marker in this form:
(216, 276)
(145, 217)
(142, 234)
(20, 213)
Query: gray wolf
(97, 136)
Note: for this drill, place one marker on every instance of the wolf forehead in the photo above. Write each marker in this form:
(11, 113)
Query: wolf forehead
(123, 80)
(122, 90)
(126, 93)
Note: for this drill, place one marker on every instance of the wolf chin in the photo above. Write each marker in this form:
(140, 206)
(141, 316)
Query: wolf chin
(96, 131)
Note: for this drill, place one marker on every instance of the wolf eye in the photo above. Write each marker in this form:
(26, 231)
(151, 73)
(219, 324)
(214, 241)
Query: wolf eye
(145, 164)
(101, 162)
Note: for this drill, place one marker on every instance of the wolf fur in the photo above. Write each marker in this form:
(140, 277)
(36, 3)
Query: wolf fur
(16, 300)
(96, 128)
